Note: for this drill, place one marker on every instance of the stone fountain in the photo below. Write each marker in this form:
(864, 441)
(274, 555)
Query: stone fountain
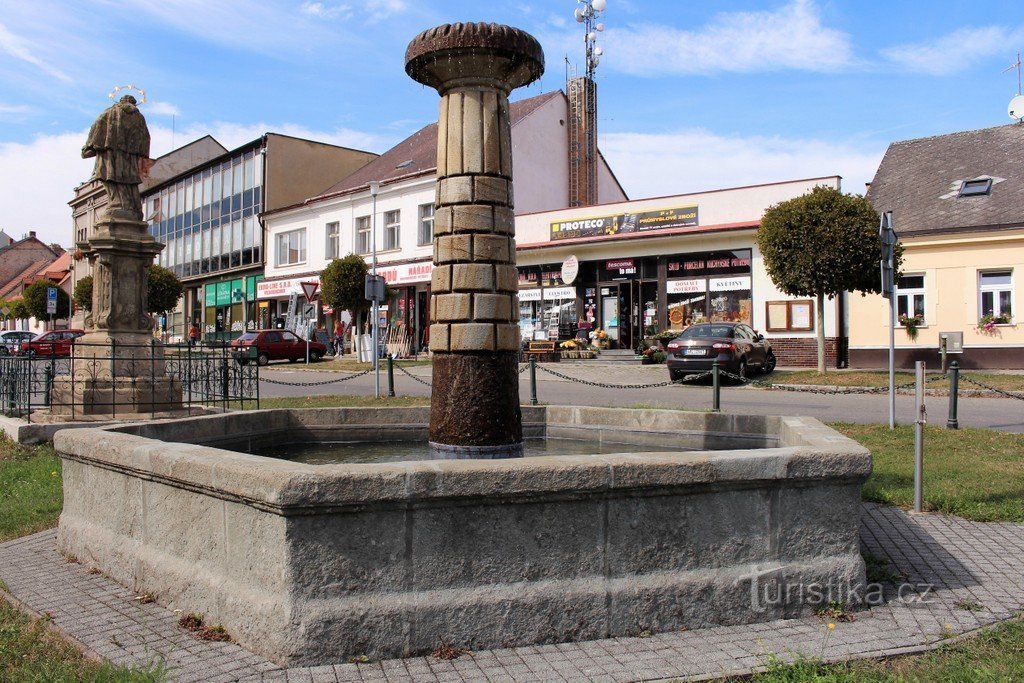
(314, 564)
(474, 331)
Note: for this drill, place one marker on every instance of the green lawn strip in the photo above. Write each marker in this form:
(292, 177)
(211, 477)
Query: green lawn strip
(30, 489)
(977, 474)
(858, 378)
(996, 654)
(31, 653)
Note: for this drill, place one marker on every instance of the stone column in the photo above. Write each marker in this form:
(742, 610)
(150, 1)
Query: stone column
(474, 331)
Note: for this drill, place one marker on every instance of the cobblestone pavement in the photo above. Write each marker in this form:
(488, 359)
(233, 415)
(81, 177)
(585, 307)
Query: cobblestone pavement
(944, 576)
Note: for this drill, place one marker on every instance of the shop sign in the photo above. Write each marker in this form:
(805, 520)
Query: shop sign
(686, 286)
(625, 223)
(728, 284)
(570, 269)
(279, 289)
(559, 293)
(529, 294)
(619, 264)
(407, 273)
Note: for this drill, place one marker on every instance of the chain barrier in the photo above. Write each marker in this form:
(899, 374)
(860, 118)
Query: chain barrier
(604, 385)
(810, 389)
(314, 384)
(1003, 392)
(413, 377)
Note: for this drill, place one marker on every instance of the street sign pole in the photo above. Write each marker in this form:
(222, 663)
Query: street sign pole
(887, 237)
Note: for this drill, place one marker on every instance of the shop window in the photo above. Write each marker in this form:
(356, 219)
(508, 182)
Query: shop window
(363, 235)
(425, 234)
(995, 289)
(392, 229)
(790, 316)
(910, 301)
(291, 247)
(333, 248)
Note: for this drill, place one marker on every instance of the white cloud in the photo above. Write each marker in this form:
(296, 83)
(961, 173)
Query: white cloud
(37, 178)
(19, 48)
(382, 9)
(161, 109)
(14, 108)
(955, 52)
(790, 37)
(326, 11)
(651, 165)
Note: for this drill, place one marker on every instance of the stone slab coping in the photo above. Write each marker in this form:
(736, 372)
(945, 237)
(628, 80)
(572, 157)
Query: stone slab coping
(807, 450)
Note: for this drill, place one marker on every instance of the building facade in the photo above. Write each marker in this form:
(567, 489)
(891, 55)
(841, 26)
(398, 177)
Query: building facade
(209, 218)
(398, 221)
(958, 210)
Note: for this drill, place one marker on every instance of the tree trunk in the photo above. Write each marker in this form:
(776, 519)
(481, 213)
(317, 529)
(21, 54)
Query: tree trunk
(821, 332)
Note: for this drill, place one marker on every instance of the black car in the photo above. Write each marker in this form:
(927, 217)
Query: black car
(737, 348)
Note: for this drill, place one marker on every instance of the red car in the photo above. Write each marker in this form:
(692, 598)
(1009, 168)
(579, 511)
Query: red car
(52, 343)
(268, 345)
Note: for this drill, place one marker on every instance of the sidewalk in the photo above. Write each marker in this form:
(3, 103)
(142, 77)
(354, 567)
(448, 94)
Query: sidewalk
(974, 569)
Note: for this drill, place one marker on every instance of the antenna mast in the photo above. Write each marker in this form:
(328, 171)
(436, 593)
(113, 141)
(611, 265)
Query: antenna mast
(582, 93)
(1016, 65)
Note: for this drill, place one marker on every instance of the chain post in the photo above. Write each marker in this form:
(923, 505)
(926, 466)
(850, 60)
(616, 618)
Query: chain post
(391, 375)
(533, 381)
(716, 387)
(954, 387)
(920, 417)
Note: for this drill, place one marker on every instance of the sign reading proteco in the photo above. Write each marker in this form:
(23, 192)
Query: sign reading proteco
(625, 223)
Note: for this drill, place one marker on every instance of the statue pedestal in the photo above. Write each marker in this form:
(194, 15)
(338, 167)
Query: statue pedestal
(118, 367)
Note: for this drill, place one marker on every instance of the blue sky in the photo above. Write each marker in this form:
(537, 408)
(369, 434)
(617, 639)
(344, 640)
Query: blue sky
(692, 96)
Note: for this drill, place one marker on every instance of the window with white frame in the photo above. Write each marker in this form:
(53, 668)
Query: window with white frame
(291, 247)
(333, 247)
(910, 297)
(426, 231)
(392, 229)
(363, 235)
(995, 288)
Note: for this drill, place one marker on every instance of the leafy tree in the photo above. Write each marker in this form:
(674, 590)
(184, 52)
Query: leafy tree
(19, 310)
(82, 296)
(343, 285)
(822, 244)
(35, 300)
(164, 290)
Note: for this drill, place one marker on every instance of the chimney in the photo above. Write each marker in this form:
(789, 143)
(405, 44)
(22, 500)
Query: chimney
(31, 233)
(582, 141)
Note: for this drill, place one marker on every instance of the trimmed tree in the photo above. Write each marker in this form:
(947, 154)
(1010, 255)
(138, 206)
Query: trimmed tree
(822, 244)
(343, 285)
(163, 291)
(35, 300)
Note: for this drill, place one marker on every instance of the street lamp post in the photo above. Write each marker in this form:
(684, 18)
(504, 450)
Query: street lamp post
(374, 331)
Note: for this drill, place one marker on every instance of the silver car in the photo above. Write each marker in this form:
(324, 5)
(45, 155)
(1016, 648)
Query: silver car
(10, 341)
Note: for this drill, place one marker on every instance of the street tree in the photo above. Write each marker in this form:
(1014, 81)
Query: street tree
(35, 300)
(342, 285)
(163, 290)
(822, 244)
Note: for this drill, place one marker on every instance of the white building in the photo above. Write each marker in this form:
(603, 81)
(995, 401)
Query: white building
(302, 239)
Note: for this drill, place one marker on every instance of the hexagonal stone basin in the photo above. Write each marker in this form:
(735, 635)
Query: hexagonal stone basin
(315, 564)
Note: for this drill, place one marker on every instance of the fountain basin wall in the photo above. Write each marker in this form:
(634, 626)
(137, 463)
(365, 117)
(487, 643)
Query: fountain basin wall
(314, 564)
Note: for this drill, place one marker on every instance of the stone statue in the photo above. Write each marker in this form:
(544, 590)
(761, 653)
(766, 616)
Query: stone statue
(119, 139)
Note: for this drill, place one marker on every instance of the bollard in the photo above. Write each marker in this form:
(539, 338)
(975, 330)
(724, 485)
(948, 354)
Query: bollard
(716, 388)
(48, 374)
(391, 375)
(533, 381)
(954, 387)
(920, 418)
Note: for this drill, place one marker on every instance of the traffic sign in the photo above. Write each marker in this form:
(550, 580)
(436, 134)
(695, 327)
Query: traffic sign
(309, 289)
(887, 243)
(51, 293)
(309, 311)
(5, 311)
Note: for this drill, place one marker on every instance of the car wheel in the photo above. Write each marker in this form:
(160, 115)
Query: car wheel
(292, 360)
(315, 356)
(262, 359)
(769, 363)
(675, 375)
(242, 361)
(741, 371)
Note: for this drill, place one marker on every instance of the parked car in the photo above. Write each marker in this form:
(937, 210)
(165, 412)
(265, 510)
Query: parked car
(11, 340)
(52, 343)
(737, 348)
(267, 345)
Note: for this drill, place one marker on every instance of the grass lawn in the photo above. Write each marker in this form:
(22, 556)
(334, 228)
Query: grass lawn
(977, 474)
(997, 654)
(861, 378)
(30, 490)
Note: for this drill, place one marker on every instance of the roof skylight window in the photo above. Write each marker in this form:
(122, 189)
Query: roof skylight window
(974, 188)
(405, 164)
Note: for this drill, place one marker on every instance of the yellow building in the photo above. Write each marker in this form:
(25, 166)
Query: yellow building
(958, 209)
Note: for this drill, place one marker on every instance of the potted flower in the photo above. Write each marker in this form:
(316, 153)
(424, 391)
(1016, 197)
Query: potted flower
(987, 323)
(910, 324)
(600, 338)
(569, 349)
